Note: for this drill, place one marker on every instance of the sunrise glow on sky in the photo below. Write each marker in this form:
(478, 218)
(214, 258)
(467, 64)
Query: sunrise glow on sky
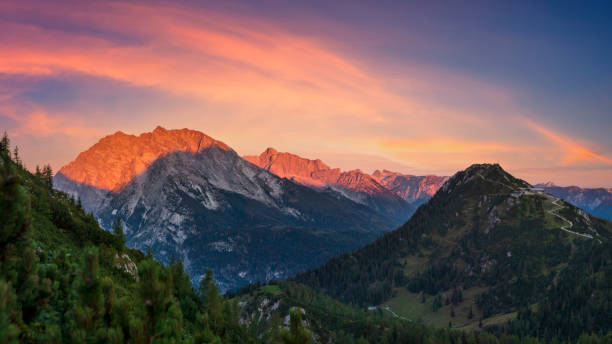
(413, 87)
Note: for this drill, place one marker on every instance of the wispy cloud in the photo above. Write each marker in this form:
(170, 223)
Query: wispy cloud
(572, 151)
(254, 83)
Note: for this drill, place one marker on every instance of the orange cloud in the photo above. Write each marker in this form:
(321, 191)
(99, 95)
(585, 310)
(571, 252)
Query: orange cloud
(203, 56)
(42, 124)
(572, 151)
(443, 145)
(234, 60)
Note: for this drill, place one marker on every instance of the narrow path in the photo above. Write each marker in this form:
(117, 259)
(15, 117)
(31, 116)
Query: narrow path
(566, 228)
(552, 211)
(387, 308)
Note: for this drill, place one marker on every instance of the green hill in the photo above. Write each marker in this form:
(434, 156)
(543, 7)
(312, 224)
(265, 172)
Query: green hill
(490, 245)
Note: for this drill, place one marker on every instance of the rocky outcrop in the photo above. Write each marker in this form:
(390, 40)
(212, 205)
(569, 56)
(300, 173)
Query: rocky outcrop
(125, 264)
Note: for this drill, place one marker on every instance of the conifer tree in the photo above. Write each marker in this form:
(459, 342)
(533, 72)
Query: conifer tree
(16, 157)
(47, 175)
(14, 203)
(117, 229)
(297, 334)
(5, 143)
(10, 317)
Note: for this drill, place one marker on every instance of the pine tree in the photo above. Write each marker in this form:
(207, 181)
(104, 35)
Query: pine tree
(5, 143)
(47, 176)
(209, 293)
(14, 203)
(16, 157)
(297, 334)
(10, 316)
(117, 229)
(470, 314)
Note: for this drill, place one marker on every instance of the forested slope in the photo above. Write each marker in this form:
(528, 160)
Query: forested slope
(514, 249)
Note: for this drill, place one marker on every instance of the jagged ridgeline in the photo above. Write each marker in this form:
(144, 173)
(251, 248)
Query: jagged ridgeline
(486, 248)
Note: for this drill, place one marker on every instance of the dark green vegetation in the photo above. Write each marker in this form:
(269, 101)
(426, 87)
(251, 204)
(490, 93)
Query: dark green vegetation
(334, 322)
(488, 245)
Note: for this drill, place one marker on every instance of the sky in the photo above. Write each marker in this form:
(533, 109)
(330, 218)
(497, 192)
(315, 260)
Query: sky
(420, 87)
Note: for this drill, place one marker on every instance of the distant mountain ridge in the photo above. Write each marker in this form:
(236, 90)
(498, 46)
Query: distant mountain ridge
(316, 173)
(187, 195)
(597, 201)
(416, 189)
(355, 184)
(413, 189)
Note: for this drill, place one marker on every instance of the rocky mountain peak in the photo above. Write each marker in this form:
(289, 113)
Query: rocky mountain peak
(548, 184)
(116, 159)
(484, 178)
(291, 166)
(270, 151)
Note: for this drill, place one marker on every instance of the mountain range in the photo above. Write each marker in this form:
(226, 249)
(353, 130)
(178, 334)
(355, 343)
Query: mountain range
(189, 196)
(413, 189)
(489, 254)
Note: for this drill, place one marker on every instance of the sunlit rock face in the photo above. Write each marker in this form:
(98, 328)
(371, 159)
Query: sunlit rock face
(116, 159)
(316, 173)
(410, 188)
(291, 166)
(383, 184)
(355, 184)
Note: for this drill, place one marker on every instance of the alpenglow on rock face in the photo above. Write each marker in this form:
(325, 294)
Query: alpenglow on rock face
(187, 195)
(381, 185)
(416, 189)
(354, 184)
(116, 159)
